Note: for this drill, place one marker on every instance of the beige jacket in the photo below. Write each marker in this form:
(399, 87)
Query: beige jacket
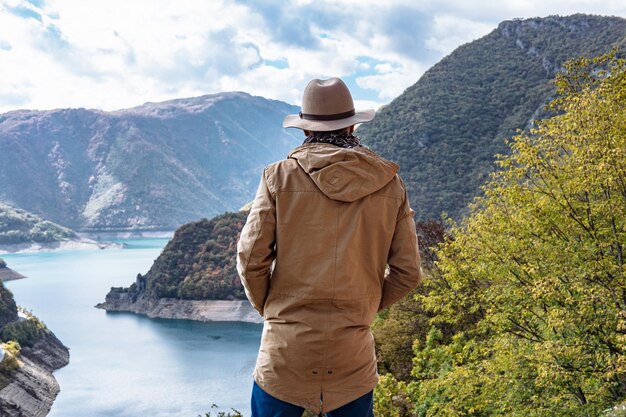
(312, 257)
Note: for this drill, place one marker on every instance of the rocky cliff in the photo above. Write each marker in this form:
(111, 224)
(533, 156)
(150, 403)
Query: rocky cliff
(28, 357)
(195, 277)
(31, 389)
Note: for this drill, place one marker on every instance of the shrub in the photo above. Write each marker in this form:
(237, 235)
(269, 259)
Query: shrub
(12, 351)
(25, 332)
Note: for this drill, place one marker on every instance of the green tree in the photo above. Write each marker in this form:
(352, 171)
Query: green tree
(528, 307)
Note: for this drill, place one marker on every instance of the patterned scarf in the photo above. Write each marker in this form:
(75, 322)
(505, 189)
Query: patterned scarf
(342, 139)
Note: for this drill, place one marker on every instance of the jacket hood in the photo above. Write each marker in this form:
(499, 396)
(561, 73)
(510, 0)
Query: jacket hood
(344, 174)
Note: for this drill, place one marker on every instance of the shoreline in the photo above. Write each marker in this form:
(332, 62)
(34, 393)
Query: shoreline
(32, 387)
(7, 274)
(126, 234)
(196, 310)
(34, 247)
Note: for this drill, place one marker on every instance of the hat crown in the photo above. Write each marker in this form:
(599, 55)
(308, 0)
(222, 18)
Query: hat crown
(326, 97)
(326, 106)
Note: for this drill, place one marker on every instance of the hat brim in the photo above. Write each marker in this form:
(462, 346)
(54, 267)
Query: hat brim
(294, 120)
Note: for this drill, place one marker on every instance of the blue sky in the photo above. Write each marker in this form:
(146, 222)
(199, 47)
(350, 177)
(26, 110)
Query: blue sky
(112, 54)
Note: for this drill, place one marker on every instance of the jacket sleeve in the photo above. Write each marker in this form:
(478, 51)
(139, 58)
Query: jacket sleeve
(256, 247)
(403, 260)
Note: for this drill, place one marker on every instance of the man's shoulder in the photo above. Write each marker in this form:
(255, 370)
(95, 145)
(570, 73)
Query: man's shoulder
(394, 188)
(282, 166)
(284, 174)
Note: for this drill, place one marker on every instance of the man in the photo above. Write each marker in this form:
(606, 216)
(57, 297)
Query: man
(312, 258)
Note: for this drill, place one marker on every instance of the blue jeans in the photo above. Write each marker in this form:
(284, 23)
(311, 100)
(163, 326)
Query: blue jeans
(264, 405)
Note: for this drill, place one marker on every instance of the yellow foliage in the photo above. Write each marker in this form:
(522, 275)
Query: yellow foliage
(530, 306)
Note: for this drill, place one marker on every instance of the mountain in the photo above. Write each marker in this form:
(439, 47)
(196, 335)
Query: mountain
(155, 166)
(19, 226)
(445, 129)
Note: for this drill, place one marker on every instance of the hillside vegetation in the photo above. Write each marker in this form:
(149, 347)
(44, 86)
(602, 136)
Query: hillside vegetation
(8, 308)
(200, 261)
(524, 312)
(19, 226)
(446, 129)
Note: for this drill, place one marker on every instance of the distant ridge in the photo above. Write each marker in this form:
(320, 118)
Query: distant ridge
(19, 226)
(150, 167)
(445, 129)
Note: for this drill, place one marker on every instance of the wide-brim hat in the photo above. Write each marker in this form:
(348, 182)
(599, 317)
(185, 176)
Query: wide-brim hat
(327, 105)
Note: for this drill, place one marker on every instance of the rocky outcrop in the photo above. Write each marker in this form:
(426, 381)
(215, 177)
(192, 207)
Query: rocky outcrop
(31, 389)
(119, 299)
(7, 274)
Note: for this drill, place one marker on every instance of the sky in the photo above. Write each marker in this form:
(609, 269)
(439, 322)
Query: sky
(114, 54)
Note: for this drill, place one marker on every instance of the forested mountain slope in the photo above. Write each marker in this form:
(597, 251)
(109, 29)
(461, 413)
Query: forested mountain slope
(445, 129)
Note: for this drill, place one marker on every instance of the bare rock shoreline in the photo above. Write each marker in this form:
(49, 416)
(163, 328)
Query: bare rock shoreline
(32, 388)
(173, 308)
(7, 274)
(80, 244)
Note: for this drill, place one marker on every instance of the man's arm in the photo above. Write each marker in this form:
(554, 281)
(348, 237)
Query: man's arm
(403, 260)
(256, 246)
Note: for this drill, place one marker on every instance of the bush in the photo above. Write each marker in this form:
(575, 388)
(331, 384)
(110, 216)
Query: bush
(25, 332)
(235, 413)
(12, 351)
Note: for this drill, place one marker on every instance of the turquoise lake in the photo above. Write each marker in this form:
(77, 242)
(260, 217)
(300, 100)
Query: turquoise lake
(125, 365)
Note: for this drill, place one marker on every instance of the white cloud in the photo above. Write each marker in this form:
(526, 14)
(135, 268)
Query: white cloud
(451, 31)
(118, 53)
(391, 82)
(366, 104)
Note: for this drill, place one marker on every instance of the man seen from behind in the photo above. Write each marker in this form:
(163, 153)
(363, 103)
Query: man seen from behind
(313, 255)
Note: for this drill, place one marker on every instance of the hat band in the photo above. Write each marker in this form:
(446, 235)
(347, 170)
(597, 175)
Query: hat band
(327, 117)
